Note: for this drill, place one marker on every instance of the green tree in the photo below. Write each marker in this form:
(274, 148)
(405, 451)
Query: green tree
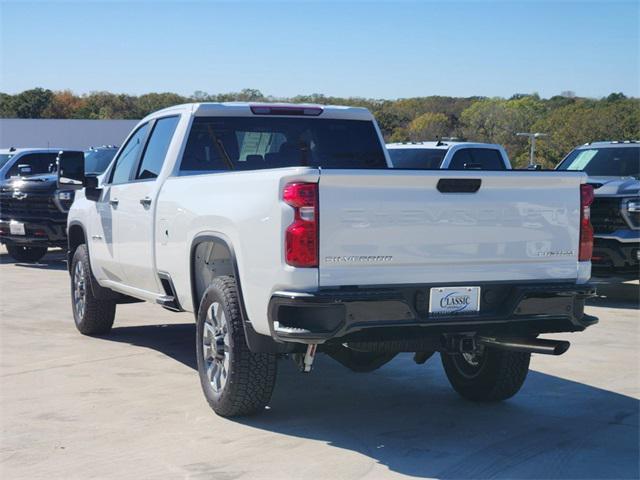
(6, 106)
(429, 126)
(29, 104)
(150, 102)
(103, 105)
(586, 121)
(497, 120)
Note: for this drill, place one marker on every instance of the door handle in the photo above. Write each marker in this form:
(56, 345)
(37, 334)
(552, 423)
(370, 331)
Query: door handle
(114, 202)
(145, 202)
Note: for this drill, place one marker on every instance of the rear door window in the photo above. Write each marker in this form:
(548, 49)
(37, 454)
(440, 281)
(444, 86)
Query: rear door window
(253, 143)
(477, 159)
(33, 164)
(156, 150)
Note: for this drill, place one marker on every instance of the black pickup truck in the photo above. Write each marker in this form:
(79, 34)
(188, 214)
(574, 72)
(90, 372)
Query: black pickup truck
(614, 171)
(33, 211)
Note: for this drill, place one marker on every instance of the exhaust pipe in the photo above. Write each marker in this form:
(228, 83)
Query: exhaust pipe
(528, 345)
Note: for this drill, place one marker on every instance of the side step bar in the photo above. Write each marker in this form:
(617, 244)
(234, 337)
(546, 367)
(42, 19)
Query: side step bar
(169, 302)
(528, 345)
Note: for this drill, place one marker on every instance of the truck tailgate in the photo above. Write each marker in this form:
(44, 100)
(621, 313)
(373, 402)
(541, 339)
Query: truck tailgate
(383, 227)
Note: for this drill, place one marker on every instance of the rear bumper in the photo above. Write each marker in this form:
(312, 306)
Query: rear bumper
(327, 315)
(39, 233)
(612, 257)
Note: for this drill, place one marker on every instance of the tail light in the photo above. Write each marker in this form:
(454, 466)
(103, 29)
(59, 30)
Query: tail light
(301, 237)
(586, 230)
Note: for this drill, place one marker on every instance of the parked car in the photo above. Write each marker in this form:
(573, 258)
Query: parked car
(451, 155)
(15, 162)
(285, 232)
(614, 172)
(33, 211)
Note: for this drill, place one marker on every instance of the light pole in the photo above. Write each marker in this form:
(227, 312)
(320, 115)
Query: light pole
(532, 138)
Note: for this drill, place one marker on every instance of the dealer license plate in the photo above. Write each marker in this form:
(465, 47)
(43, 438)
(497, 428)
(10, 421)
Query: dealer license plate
(16, 228)
(449, 301)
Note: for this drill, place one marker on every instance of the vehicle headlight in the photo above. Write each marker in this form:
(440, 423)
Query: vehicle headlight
(63, 199)
(631, 211)
(65, 196)
(633, 206)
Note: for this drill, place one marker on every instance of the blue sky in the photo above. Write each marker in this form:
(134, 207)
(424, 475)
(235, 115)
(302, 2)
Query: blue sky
(368, 49)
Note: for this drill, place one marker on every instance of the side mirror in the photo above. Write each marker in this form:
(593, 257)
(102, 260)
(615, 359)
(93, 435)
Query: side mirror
(71, 170)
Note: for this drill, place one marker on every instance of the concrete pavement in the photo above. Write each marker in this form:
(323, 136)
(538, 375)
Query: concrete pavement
(129, 405)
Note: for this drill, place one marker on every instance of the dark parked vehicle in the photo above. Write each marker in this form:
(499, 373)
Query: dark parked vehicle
(614, 172)
(33, 211)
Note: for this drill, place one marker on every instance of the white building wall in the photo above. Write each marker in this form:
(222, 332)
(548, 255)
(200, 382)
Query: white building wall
(71, 134)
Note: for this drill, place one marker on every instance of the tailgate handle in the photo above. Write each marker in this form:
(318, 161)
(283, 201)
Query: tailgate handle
(459, 185)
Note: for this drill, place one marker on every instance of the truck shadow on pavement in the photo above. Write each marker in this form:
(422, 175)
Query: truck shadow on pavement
(54, 260)
(616, 295)
(407, 418)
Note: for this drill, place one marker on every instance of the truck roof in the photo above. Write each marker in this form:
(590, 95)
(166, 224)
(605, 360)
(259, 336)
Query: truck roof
(239, 109)
(442, 145)
(612, 144)
(15, 151)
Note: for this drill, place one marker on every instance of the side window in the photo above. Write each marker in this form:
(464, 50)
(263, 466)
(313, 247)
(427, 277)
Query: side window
(477, 159)
(460, 160)
(203, 154)
(129, 155)
(156, 150)
(33, 164)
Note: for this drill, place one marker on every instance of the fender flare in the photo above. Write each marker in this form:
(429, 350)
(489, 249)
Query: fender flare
(74, 223)
(256, 342)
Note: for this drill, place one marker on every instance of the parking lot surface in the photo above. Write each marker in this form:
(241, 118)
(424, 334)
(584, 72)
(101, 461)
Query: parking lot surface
(129, 404)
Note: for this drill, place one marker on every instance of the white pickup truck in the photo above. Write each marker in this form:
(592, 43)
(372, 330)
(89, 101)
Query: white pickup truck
(283, 229)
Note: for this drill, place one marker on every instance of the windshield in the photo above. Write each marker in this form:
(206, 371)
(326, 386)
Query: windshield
(4, 158)
(604, 162)
(252, 143)
(417, 158)
(97, 161)
(33, 164)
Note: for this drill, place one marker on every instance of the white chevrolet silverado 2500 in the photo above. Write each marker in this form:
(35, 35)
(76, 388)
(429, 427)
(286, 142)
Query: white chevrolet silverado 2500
(284, 230)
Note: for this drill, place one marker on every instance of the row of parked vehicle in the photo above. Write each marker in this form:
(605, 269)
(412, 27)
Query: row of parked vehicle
(286, 233)
(33, 210)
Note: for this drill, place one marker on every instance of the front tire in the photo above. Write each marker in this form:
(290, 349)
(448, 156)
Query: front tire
(26, 254)
(234, 380)
(92, 316)
(490, 376)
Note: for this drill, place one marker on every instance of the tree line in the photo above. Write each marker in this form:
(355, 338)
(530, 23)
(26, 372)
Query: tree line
(567, 119)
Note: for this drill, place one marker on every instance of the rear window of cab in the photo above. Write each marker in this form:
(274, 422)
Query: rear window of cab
(254, 143)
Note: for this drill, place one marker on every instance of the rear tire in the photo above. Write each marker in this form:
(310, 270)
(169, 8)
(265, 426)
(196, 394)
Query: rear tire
(235, 381)
(92, 316)
(26, 254)
(492, 376)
